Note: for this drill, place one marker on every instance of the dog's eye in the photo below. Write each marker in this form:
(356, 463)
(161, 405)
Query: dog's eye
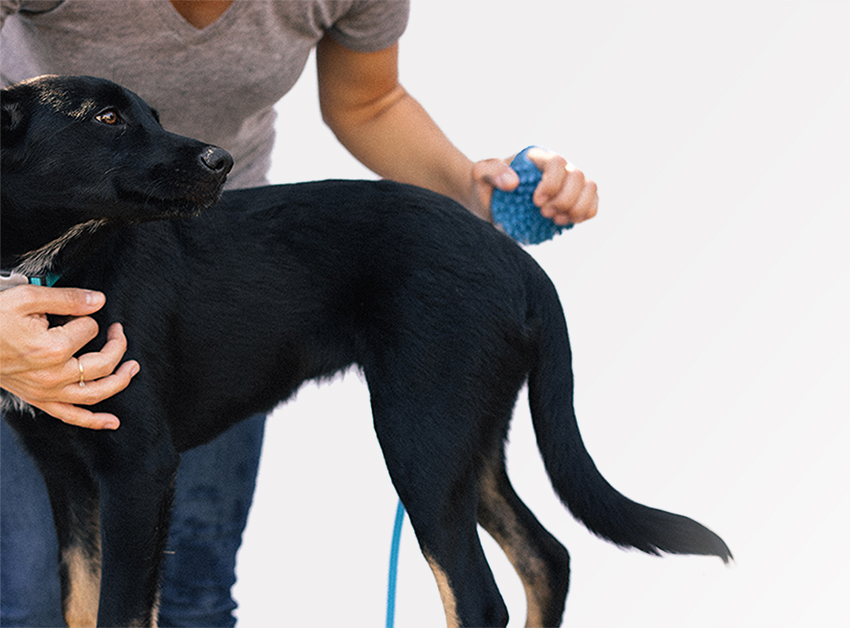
(109, 116)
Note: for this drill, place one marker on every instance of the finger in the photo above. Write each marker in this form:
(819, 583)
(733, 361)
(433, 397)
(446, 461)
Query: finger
(565, 199)
(64, 341)
(97, 390)
(587, 205)
(553, 168)
(80, 417)
(101, 363)
(58, 397)
(59, 301)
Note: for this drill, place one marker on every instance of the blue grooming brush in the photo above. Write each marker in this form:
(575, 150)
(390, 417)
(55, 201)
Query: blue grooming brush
(515, 212)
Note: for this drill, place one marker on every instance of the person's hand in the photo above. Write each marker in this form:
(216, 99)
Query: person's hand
(37, 362)
(564, 194)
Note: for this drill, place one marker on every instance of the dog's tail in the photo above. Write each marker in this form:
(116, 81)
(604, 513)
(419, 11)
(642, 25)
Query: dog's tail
(590, 498)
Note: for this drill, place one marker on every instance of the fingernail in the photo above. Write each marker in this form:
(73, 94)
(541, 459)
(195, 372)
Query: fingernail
(94, 298)
(507, 179)
(111, 425)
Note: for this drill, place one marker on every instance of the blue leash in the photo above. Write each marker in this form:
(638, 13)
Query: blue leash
(393, 575)
(519, 217)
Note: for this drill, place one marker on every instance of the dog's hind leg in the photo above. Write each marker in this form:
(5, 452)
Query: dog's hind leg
(136, 496)
(543, 564)
(434, 473)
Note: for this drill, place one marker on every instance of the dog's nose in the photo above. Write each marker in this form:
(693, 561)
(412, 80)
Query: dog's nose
(217, 159)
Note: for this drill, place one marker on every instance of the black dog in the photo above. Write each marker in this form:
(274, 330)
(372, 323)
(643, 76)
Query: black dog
(231, 311)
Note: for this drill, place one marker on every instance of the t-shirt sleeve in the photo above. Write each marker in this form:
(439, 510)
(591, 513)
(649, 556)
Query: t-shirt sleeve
(8, 7)
(371, 25)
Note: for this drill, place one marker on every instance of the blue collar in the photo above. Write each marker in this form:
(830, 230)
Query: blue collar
(10, 280)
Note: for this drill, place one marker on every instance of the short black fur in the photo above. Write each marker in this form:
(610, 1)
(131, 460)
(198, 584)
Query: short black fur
(230, 311)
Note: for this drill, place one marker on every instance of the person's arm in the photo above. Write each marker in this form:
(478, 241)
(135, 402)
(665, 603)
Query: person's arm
(37, 362)
(387, 130)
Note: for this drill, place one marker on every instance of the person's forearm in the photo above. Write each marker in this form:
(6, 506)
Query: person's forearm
(385, 128)
(398, 140)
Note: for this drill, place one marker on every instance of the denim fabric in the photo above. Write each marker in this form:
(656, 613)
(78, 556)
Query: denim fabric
(215, 486)
(29, 576)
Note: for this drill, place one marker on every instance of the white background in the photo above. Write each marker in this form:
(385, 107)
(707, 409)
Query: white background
(708, 306)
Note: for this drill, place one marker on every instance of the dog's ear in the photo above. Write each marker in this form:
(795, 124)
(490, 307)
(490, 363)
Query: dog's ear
(13, 116)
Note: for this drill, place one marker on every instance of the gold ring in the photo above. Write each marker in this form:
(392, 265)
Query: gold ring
(82, 376)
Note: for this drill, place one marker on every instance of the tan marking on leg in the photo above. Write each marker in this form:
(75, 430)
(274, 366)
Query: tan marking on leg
(82, 561)
(521, 554)
(80, 605)
(144, 623)
(149, 622)
(446, 593)
(154, 623)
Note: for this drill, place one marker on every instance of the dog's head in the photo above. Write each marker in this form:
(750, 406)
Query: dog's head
(80, 150)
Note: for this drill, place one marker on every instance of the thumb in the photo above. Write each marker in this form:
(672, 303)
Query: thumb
(488, 175)
(496, 173)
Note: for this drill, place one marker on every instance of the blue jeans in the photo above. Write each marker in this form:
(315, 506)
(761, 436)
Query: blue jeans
(215, 487)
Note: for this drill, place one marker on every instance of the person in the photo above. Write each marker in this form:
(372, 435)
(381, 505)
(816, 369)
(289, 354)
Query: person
(214, 70)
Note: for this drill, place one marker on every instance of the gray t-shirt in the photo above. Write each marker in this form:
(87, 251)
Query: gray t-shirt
(218, 84)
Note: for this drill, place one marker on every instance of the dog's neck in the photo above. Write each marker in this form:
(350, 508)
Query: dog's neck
(64, 251)
(60, 253)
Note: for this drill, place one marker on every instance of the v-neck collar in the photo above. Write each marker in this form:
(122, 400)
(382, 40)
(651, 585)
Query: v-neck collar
(182, 27)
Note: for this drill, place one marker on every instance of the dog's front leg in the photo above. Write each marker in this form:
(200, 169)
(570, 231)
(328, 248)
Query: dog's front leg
(136, 496)
(61, 457)
(75, 511)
